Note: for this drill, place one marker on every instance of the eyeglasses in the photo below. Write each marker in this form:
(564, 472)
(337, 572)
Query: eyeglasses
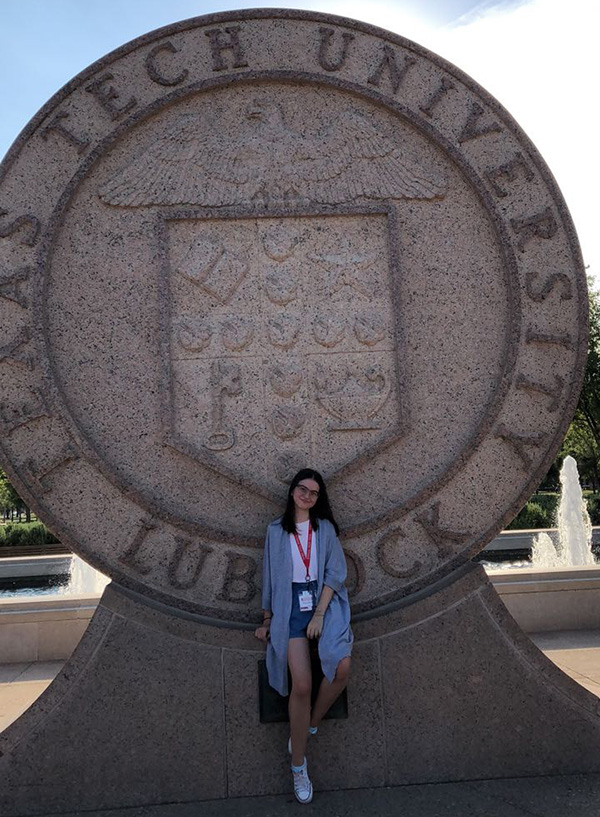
(306, 492)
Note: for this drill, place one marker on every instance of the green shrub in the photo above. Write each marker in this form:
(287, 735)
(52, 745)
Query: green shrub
(540, 511)
(25, 533)
(593, 503)
(15, 536)
(549, 503)
(533, 515)
(37, 534)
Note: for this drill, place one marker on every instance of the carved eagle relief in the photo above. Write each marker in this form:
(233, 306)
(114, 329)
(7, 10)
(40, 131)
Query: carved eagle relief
(267, 162)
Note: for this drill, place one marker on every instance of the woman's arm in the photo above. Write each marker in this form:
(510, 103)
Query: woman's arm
(323, 603)
(315, 625)
(262, 632)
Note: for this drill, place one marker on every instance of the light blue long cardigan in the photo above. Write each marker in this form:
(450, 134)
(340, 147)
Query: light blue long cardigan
(336, 638)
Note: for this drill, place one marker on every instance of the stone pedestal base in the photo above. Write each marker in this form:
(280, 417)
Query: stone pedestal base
(158, 707)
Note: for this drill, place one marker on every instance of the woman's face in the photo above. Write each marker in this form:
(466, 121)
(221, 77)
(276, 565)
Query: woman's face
(305, 494)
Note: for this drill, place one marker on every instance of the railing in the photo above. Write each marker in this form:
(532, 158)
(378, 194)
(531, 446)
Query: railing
(12, 551)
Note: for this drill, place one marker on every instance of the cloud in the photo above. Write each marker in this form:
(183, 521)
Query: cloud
(539, 60)
(484, 7)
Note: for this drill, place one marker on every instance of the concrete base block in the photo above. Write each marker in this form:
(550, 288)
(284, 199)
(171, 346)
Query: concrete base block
(550, 599)
(43, 629)
(156, 706)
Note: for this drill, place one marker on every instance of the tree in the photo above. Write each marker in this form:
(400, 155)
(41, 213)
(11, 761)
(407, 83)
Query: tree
(588, 409)
(580, 443)
(10, 500)
(582, 440)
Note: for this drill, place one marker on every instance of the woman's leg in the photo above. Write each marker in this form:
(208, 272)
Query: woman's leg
(299, 705)
(328, 692)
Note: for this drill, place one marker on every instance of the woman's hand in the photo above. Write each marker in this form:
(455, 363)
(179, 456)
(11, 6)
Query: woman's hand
(262, 632)
(315, 626)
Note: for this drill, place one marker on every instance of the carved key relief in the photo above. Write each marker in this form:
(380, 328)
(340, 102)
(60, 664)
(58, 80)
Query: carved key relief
(282, 340)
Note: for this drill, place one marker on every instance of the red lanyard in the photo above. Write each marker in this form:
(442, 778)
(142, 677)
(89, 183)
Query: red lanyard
(305, 556)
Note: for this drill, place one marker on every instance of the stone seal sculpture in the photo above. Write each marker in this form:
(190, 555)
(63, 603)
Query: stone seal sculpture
(242, 244)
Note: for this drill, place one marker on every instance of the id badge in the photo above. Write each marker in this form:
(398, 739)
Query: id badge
(306, 601)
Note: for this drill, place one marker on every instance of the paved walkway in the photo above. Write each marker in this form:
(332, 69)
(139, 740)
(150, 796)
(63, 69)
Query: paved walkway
(568, 796)
(577, 653)
(21, 684)
(564, 796)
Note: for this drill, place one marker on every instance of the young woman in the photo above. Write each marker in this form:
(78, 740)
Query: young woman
(303, 596)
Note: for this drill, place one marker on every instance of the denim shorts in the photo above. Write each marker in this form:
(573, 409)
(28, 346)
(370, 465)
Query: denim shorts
(298, 620)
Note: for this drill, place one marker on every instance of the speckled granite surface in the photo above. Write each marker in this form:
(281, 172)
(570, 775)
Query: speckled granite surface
(235, 246)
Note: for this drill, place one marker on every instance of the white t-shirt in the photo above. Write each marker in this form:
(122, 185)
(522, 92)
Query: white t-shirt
(298, 567)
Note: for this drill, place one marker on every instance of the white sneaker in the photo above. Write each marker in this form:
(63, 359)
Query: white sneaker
(310, 732)
(302, 786)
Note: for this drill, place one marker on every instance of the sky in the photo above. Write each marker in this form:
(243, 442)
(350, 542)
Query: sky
(537, 57)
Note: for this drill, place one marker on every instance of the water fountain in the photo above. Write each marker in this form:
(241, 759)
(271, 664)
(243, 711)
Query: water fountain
(75, 579)
(560, 588)
(57, 614)
(574, 545)
(83, 580)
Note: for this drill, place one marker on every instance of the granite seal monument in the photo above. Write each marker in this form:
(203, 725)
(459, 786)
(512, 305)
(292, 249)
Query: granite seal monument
(236, 246)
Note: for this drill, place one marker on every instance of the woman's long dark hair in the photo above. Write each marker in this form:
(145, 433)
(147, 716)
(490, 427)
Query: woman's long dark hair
(320, 510)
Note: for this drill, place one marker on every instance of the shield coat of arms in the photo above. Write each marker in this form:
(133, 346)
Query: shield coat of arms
(281, 288)
(280, 340)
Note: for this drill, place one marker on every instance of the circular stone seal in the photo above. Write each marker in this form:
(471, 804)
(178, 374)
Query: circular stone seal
(261, 240)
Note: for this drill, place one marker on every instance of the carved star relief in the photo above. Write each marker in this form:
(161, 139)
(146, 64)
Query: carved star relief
(266, 162)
